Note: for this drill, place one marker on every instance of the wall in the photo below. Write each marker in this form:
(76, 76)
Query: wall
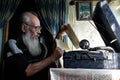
(86, 30)
(115, 6)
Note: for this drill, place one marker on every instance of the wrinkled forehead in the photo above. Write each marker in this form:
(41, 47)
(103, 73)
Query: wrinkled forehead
(34, 20)
(31, 19)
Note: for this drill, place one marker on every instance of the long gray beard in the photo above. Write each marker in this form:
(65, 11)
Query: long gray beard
(32, 44)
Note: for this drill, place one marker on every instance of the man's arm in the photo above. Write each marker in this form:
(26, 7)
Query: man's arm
(38, 66)
(33, 68)
(62, 30)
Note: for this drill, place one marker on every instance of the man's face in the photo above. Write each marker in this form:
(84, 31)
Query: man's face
(32, 30)
(35, 31)
(35, 28)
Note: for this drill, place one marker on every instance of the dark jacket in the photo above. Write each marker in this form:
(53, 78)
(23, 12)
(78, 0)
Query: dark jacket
(16, 63)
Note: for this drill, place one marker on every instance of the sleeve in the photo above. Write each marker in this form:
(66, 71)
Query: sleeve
(15, 62)
(18, 64)
(16, 57)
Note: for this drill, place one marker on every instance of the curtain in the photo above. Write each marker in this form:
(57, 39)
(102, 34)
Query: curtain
(53, 13)
(7, 9)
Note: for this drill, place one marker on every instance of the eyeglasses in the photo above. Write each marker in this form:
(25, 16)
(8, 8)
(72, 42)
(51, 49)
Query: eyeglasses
(36, 27)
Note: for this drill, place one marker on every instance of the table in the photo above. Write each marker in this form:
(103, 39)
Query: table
(84, 74)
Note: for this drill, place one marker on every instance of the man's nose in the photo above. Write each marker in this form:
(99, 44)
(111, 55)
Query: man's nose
(39, 31)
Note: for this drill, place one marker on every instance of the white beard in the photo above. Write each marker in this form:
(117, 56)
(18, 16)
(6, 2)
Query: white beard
(32, 44)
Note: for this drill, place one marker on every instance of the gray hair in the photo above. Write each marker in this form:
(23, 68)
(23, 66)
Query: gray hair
(25, 17)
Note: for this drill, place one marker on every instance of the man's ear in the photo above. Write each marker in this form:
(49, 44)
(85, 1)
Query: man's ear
(23, 27)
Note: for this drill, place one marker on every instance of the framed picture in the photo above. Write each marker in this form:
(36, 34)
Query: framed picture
(83, 10)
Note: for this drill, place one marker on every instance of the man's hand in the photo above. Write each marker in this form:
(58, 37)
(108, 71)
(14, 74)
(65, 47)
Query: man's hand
(57, 53)
(62, 30)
